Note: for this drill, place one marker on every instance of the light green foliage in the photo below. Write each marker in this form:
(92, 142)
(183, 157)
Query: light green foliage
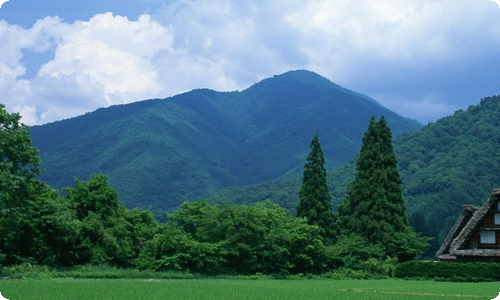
(353, 250)
(314, 199)
(374, 208)
(236, 239)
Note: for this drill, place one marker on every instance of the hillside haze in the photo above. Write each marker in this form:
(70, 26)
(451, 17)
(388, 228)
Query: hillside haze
(162, 152)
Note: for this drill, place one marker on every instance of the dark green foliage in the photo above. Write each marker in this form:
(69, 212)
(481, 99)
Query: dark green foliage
(40, 231)
(451, 163)
(202, 142)
(34, 225)
(374, 207)
(51, 229)
(94, 195)
(314, 199)
(107, 233)
(19, 162)
(472, 272)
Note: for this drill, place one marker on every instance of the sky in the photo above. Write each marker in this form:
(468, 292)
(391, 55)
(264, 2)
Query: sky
(423, 59)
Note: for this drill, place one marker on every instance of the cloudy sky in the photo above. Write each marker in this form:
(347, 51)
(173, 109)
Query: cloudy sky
(424, 59)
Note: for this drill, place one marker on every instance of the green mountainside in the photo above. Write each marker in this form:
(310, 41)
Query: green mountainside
(452, 162)
(159, 153)
(447, 164)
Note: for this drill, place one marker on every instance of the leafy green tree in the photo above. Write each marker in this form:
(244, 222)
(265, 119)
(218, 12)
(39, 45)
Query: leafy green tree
(94, 195)
(108, 232)
(19, 166)
(52, 229)
(173, 249)
(35, 225)
(374, 208)
(315, 200)
(19, 161)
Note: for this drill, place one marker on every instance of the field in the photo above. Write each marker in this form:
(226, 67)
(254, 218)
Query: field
(119, 289)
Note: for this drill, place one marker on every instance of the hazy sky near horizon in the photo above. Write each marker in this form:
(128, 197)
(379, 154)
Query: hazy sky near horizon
(423, 59)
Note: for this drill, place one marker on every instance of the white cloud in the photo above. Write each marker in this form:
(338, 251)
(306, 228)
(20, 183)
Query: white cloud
(2, 2)
(106, 60)
(420, 58)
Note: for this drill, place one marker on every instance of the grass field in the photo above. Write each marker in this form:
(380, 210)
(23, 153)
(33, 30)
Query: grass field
(120, 289)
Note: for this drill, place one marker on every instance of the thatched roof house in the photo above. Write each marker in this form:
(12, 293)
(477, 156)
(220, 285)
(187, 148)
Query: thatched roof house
(476, 233)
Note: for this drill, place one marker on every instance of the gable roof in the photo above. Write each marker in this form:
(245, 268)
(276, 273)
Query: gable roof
(454, 243)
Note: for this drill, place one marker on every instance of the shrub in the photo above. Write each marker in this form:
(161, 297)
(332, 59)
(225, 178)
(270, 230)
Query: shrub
(26, 270)
(470, 272)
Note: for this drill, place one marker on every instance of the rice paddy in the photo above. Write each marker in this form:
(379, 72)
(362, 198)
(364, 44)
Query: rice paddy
(119, 289)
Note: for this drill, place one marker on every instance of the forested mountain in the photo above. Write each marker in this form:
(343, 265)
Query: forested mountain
(162, 152)
(452, 162)
(447, 164)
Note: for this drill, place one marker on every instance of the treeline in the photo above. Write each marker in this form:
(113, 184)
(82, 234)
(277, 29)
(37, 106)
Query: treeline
(86, 224)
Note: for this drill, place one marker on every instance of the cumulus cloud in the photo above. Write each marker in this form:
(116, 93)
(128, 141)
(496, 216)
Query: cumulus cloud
(423, 59)
(106, 60)
(2, 2)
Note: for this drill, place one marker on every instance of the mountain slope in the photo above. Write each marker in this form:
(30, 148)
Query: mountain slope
(452, 162)
(161, 152)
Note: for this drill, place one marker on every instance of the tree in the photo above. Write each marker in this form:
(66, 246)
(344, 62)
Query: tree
(35, 225)
(19, 166)
(374, 208)
(19, 163)
(314, 198)
(108, 232)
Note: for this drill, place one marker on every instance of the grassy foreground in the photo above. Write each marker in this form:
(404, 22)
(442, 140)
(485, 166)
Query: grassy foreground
(119, 289)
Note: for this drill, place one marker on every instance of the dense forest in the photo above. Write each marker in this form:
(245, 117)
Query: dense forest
(87, 224)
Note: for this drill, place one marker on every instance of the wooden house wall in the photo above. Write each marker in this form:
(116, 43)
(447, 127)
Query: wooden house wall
(487, 224)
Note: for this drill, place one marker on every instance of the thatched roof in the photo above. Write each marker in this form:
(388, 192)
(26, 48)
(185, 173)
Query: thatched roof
(455, 242)
(467, 212)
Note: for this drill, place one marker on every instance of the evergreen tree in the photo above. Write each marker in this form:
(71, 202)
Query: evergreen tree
(374, 208)
(315, 200)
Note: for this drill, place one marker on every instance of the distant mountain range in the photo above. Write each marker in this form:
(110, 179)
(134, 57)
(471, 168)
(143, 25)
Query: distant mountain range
(159, 153)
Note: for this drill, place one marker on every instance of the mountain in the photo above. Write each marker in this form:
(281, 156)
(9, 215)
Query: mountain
(162, 152)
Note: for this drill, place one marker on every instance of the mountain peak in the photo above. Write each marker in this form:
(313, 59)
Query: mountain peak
(302, 77)
(194, 144)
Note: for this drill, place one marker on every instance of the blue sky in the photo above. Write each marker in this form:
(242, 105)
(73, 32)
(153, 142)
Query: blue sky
(424, 59)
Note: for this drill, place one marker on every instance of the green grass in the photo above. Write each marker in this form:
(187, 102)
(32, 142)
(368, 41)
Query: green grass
(119, 289)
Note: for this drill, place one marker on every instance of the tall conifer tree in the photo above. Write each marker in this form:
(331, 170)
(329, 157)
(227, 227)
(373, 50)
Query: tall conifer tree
(374, 207)
(315, 200)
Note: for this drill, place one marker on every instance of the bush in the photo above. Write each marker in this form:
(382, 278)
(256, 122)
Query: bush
(26, 270)
(469, 272)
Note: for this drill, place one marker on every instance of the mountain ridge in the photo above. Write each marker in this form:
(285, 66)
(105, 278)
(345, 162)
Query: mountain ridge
(160, 152)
